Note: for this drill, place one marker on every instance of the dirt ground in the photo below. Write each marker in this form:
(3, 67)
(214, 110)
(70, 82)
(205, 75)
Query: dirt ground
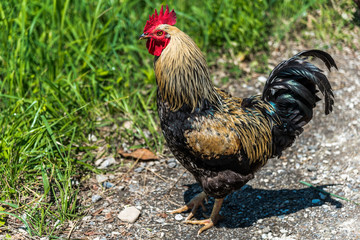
(274, 205)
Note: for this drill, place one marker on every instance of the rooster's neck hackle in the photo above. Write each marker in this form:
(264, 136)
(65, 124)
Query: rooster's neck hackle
(182, 73)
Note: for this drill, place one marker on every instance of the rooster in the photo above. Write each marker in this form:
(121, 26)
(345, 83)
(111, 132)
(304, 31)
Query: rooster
(224, 140)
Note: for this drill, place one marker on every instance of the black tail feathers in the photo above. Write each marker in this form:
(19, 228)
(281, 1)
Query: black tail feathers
(291, 88)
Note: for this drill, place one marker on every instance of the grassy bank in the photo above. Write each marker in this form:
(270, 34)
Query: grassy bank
(69, 69)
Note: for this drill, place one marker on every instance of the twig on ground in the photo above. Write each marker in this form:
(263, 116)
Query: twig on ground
(181, 175)
(162, 178)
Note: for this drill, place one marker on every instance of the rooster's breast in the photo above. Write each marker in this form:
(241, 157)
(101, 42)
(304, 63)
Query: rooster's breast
(210, 153)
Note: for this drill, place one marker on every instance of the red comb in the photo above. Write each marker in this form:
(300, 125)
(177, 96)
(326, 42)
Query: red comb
(156, 19)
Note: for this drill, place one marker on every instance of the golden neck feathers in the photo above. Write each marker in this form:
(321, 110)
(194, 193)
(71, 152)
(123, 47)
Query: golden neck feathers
(182, 74)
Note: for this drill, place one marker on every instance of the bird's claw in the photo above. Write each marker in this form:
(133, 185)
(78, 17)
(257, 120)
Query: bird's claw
(208, 223)
(180, 210)
(193, 205)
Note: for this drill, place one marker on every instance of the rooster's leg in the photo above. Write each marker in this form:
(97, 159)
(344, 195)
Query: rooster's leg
(214, 217)
(193, 205)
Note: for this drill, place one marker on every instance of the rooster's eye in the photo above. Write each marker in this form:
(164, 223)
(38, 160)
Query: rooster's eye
(159, 33)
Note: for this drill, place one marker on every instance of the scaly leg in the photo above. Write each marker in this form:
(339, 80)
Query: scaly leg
(193, 205)
(214, 217)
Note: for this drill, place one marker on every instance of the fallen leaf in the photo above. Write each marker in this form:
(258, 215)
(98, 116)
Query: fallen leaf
(141, 153)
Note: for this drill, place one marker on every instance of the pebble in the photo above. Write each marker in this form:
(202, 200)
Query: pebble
(99, 161)
(127, 124)
(139, 169)
(130, 214)
(101, 178)
(108, 184)
(133, 187)
(178, 217)
(160, 220)
(172, 164)
(86, 218)
(311, 168)
(266, 229)
(92, 138)
(96, 198)
(170, 160)
(344, 176)
(106, 162)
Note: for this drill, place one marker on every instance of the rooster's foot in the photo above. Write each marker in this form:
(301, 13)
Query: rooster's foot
(193, 205)
(214, 217)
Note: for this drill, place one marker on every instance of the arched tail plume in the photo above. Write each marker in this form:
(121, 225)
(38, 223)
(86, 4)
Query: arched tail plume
(291, 88)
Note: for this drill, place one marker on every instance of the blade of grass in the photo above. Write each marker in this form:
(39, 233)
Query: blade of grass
(327, 193)
(51, 134)
(21, 219)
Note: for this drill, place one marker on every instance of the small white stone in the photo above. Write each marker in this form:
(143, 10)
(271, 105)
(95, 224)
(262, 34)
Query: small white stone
(86, 218)
(128, 124)
(178, 217)
(96, 198)
(101, 178)
(344, 176)
(129, 214)
(107, 162)
(99, 161)
(92, 138)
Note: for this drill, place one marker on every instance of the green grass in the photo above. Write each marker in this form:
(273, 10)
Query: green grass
(71, 68)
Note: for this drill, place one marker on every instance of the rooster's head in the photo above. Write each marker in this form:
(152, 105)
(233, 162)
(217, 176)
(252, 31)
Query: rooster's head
(157, 30)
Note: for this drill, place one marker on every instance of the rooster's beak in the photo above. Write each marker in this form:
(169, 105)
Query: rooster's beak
(143, 36)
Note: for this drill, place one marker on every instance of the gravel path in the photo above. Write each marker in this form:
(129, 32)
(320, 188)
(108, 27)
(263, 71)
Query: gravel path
(274, 205)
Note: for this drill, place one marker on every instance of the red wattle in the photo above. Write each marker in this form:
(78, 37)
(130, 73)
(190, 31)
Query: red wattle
(155, 47)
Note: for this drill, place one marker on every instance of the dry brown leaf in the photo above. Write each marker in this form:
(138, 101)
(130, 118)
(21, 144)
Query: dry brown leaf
(141, 153)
